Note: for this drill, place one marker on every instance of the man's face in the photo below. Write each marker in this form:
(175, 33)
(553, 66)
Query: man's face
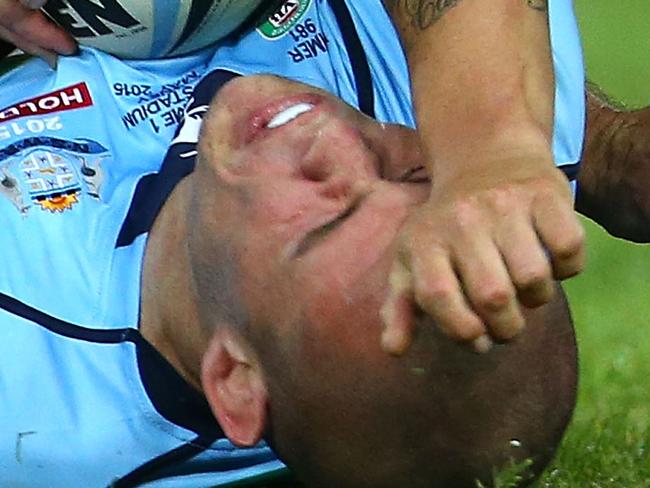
(316, 194)
(299, 201)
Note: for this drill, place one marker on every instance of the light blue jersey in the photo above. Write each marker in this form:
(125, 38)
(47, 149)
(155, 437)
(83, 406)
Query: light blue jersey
(370, 71)
(85, 400)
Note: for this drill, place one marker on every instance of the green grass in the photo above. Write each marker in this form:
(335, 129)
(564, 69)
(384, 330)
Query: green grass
(608, 442)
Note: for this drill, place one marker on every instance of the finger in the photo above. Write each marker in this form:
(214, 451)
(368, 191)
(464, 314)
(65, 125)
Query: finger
(48, 56)
(483, 344)
(487, 285)
(33, 27)
(397, 312)
(563, 236)
(526, 262)
(437, 292)
(33, 4)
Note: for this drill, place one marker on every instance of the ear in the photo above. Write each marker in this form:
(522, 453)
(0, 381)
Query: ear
(234, 386)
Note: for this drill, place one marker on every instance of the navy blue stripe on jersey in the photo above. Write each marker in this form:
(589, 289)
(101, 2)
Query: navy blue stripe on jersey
(153, 190)
(198, 11)
(571, 170)
(357, 55)
(159, 467)
(170, 394)
(154, 469)
(63, 328)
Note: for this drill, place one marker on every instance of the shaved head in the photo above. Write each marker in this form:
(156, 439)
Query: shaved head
(296, 204)
(440, 416)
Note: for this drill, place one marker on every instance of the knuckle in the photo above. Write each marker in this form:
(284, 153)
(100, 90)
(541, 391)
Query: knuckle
(494, 298)
(465, 215)
(503, 199)
(435, 293)
(21, 29)
(414, 244)
(545, 189)
(532, 277)
(570, 244)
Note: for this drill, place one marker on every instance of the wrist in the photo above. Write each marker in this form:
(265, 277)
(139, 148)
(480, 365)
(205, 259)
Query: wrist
(508, 157)
(503, 176)
(605, 136)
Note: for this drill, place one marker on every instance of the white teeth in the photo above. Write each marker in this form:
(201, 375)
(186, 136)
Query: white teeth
(288, 114)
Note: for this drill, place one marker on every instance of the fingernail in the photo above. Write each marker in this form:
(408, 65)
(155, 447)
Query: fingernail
(482, 345)
(390, 342)
(50, 58)
(72, 51)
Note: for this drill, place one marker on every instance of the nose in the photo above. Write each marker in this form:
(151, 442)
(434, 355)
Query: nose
(340, 161)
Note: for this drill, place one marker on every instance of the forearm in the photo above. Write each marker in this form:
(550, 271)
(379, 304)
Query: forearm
(482, 80)
(613, 178)
(499, 224)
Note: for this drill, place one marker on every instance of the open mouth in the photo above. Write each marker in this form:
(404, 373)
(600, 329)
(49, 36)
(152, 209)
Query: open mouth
(289, 114)
(279, 113)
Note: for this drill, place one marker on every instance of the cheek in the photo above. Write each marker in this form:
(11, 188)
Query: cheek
(268, 297)
(274, 216)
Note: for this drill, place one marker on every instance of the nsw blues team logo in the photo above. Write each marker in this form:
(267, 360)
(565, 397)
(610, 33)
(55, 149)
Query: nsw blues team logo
(50, 173)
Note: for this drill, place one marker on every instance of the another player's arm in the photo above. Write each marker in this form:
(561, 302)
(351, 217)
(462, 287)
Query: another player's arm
(499, 225)
(480, 68)
(615, 171)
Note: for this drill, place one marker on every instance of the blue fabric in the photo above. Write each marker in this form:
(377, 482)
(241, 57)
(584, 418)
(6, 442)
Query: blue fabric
(75, 145)
(570, 110)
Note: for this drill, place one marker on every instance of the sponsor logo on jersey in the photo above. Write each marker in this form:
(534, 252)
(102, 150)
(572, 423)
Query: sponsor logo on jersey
(68, 98)
(51, 173)
(284, 18)
(85, 18)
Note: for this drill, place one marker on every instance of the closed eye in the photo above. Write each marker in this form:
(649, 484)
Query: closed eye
(417, 174)
(320, 233)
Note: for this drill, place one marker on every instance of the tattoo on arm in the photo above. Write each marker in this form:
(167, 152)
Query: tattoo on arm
(425, 13)
(540, 5)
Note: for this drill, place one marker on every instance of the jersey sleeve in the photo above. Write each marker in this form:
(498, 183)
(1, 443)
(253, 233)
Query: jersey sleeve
(568, 64)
